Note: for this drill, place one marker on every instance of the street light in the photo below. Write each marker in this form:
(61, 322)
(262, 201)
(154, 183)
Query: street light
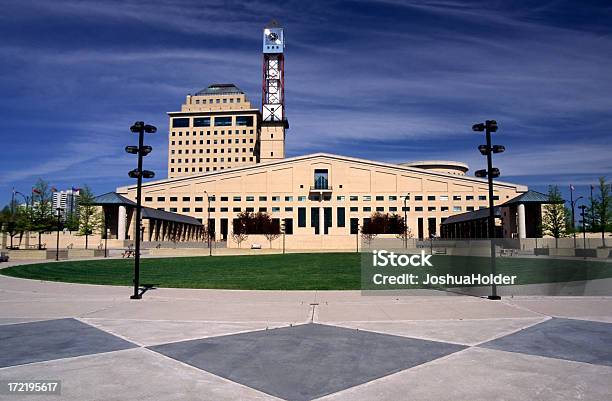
(59, 221)
(406, 220)
(491, 172)
(142, 150)
(583, 222)
(573, 203)
(208, 224)
(282, 227)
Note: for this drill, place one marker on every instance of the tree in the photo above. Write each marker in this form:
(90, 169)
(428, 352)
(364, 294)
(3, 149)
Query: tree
(90, 217)
(603, 208)
(13, 221)
(271, 229)
(383, 223)
(240, 228)
(41, 217)
(402, 231)
(555, 219)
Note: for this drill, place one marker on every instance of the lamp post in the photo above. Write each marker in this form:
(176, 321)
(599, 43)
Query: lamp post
(573, 203)
(283, 232)
(406, 219)
(59, 221)
(583, 222)
(491, 172)
(141, 150)
(208, 224)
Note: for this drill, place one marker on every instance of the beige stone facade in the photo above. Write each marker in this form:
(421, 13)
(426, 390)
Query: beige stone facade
(352, 190)
(216, 129)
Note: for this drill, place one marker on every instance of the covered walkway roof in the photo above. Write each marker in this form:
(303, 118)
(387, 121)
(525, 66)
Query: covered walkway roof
(470, 216)
(113, 198)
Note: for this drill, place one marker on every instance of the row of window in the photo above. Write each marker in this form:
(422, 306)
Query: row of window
(217, 100)
(225, 121)
(209, 133)
(214, 159)
(263, 198)
(216, 142)
(352, 209)
(215, 150)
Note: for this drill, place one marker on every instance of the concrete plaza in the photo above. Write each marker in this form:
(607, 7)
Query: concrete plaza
(181, 344)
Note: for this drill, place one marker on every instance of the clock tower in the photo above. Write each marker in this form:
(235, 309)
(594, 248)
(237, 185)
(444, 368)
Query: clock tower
(274, 123)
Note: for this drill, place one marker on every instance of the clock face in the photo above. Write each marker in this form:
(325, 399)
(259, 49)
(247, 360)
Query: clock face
(273, 40)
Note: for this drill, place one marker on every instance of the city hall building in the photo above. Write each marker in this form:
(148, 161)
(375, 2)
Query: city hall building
(226, 157)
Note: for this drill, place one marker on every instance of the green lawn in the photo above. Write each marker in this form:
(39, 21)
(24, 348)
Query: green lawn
(317, 271)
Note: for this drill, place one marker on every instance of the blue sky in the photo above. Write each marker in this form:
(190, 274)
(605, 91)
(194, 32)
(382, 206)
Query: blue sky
(384, 80)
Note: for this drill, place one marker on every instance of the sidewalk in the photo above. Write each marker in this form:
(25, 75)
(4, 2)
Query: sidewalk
(302, 345)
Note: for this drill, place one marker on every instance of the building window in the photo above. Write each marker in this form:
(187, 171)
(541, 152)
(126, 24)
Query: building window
(223, 121)
(443, 197)
(180, 122)
(444, 208)
(456, 197)
(275, 209)
(148, 199)
(201, 122)
(418, 198)
(405, 208)
(482, 197)
(354, 226)
(198, 210)
(250, 199)
(263, 209)
(341, 216)
(456, 208)
(288, 198)
(244, 121)
(173, 199)
(431, 197)
(431, 209)
(393, 198)
(321, 179)
(354, 209)
(393, 209)
(185, 209)
(263, 198)
(289, 209)
(161, 198)
(173, 209)
(276, 199)
(367, 209)
(469, 197)
(380, 209)
(380, 198)
(367, 198)
(236, 198)
(340, 198)
(301, 217)
(418, 209)
(354, 198)
(236, 209)
(186, 198)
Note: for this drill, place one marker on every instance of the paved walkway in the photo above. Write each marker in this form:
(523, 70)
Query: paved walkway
(302, 345)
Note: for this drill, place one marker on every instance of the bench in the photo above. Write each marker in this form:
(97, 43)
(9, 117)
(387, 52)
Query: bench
(256, 246)
(129, 252)
(507, 252)
(439, 251)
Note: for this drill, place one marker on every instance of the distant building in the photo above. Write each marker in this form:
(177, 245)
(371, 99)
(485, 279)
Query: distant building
(67, 200)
